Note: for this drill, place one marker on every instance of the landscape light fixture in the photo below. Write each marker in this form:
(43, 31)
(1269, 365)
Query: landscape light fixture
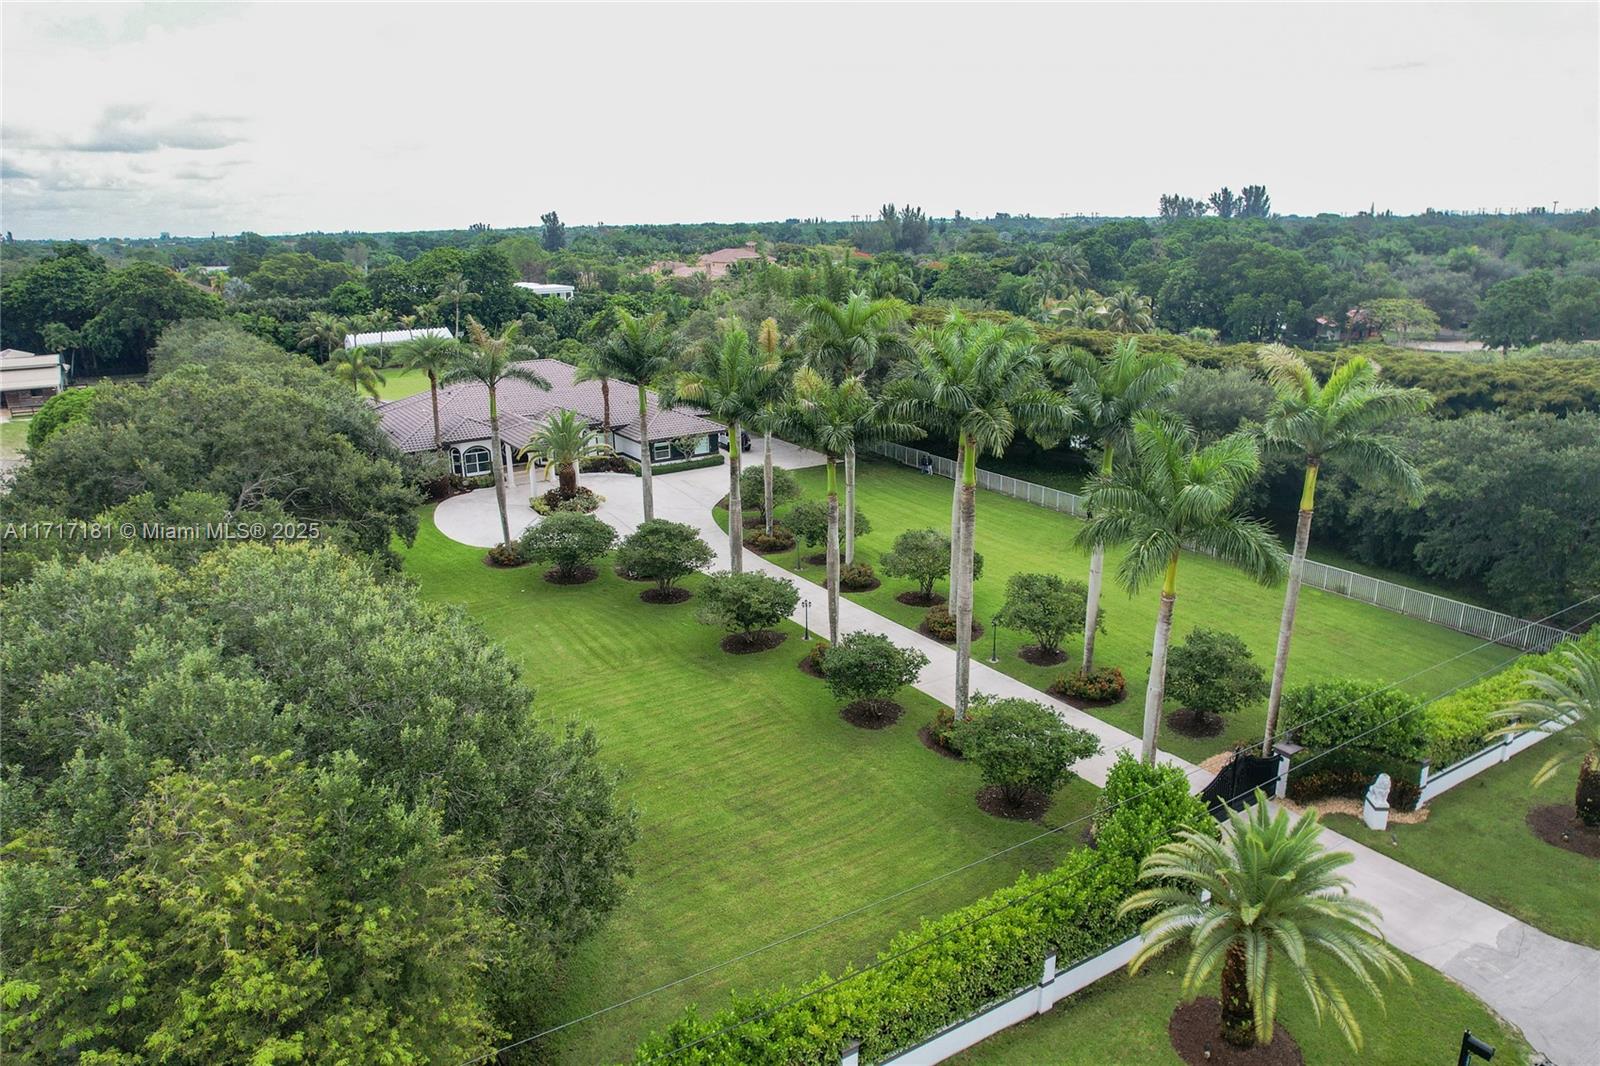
(994, 639)
(1470, 1046)
(806, 604)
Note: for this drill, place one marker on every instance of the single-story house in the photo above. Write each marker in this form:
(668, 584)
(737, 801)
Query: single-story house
(388, 338)
(714, 265)
(539, 288)
(27, 380)
(675, 433)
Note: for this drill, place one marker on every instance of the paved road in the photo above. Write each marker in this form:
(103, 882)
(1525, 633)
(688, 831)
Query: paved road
(1548, 988)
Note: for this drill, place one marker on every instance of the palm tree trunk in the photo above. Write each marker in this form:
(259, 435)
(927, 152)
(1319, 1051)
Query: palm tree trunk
(766, 481)
(433, 389)
(644, 455)
(1097, 569)
(1238, 1016)
(735, 502)
(1156, 691)
(605, 411)
(955, 526)
(1291, 603)
(833, 556)
(499, 473)
(567, 477)
(850, 504)
(969, 529)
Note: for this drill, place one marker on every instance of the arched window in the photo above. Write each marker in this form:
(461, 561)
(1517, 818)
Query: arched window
(476, 461)
(455, 461)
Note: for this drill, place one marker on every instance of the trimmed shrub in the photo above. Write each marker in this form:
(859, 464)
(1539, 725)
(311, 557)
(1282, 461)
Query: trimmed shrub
(743, 603)
(1326, 714)
(779, 540)
(1103, 684)
(1213, 672)
(809, 521)
(951, 967)
(752, 487)
(866, 666)
(570, 542)
(687, 464)
(815, 657)
(556, 502)
(1347, 773)
(1459, 724)
(923, 556)
(506, 555)
(1022, 746)
(605, 464)
(857, 577)
(1044, 606)
(1142, 806)
(663, 552)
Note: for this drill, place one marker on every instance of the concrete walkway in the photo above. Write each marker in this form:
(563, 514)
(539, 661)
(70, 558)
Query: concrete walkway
(1548, 988)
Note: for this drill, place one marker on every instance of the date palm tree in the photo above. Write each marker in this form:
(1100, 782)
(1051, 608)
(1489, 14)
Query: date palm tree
(322, 334)
(1109, 394)
(733, 380)
(1266, 902)
(563, 442)
(1128, 312)
(456, 291)
(641, 350)
(1341, 421)
(490, 360)
(833, 418)
(434, 356)
(1176, 496)
(843, 339)
(977, 383)
(355, 367)
(1567, 706)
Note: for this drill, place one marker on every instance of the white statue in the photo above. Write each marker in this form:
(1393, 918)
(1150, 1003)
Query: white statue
(1375, 811)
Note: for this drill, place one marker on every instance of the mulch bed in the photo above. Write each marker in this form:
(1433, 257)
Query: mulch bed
(977, 632)
(665, 595)
(872, 714)
(1551, 820)
(868, 587)
(1036, 656)
(752, 642)
(915, 598)
(581, 576)
(1194, 1025)
(624, 575)
(491, 564)
(929, 741)
(808, 666)
(819, 559)
(1191, 723)
(1079, 702)
(776, 549)
(1033, 807)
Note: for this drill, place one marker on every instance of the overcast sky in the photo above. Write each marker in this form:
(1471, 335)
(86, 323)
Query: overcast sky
(191, 119)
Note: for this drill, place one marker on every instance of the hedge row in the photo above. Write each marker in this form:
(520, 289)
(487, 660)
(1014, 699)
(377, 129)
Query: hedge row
(686, 464)
(952, 967)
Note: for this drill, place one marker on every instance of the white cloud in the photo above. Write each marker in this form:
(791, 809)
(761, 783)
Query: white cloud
(296, 117)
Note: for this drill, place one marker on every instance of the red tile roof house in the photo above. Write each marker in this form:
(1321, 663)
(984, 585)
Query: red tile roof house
(714, 265)
(464, 419)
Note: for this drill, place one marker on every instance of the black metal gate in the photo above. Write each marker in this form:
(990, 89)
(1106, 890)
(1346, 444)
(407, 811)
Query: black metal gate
(1235, 785)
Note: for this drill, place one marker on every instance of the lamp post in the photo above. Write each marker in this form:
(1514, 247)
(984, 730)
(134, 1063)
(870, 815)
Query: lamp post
(994, 639)
(806, 606)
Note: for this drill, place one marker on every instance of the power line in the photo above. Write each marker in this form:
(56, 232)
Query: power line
(1188, 774)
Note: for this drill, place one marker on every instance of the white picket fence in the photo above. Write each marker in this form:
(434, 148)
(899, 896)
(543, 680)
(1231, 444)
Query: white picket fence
(1026, 1003)
(1440, 610)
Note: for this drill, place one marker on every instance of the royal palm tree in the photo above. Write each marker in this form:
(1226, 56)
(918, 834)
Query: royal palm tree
(1176, 496)
(354, 367)
(1341, 421)
(1128, 312)
(455, 290)
(733, 380)
(323, 334)
(1108, 395)
(1567, 706)
(641, 350)
(771, 417)
(564, 441)
(977, 383)
(1084, 309)
(489, 360)
(833, 418)
(1263, 898)
(842, 339)
(434, 356)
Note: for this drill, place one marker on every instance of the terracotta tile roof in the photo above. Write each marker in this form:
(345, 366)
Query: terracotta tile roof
(713, 265)
(464, 410)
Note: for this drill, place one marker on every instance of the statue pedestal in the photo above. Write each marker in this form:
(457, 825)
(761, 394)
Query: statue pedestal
(1375, 808)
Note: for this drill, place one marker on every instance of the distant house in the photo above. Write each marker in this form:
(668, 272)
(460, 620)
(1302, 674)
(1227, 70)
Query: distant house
(27, 380)
(713, 265)
(539, 288)
(675, 434)
(389, 337)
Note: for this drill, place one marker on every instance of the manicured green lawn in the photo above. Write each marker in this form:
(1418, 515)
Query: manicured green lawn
(399, 384)
(1124, 1019)
(762, 812)
(1476, 838)
(13, 438)
(1334, 637)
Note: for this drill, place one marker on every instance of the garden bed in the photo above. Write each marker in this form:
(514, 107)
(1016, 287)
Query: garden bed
(754, 641)
(1196, 1029)
(915, 598)
(1031, 806)
(1034, 655)
(1192, 723)
(580, 576)
(1557, 824)
(872, 714)
(666, 596)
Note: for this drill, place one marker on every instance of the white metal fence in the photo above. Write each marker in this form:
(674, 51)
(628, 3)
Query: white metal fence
(1453, 614)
